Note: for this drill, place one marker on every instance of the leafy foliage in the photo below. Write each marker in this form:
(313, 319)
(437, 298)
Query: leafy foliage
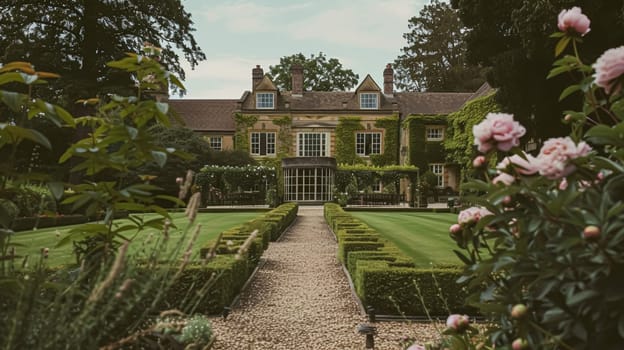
(319, 73)
(435, 56)
(345, 140)
(77, 38)
(508, 37)
(459, 141)
(243, 122)
(421, 151)
(390, 153)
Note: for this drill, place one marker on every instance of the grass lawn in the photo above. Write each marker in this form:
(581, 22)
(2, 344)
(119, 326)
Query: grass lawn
(212, 225)
(422, 236)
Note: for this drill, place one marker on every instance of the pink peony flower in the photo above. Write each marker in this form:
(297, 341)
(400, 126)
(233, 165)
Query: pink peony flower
(457, 322)
(455, 229)
(504, 178)
(416, 347)
(563, 184)
(573, 20)
(555, 155)
(609, 67)
(498, 129)
(528, 166)
(472, 215)
(179, 180)
(479, 161)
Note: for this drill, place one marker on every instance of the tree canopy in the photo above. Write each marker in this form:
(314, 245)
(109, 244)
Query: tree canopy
(319, 73)
(511, 37)
(75, 38)
(435, 56)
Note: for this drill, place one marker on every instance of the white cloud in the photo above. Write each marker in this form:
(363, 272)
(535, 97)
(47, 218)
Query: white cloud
(364, 24)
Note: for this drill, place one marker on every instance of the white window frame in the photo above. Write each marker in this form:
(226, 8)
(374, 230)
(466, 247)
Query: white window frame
(263, 102)
(255, 143)
(377, 187)
(360, 143)
(215, 142)
(438, 170)
(367, 98)
(434, 132)
(302, 151)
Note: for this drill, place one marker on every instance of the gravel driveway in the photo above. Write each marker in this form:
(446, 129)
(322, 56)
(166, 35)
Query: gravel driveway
(300, 299)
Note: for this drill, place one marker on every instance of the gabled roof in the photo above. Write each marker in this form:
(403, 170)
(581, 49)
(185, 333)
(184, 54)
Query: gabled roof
(430, 102)
(206, 115)
(266, 84)
(368, 84)
(483, 90)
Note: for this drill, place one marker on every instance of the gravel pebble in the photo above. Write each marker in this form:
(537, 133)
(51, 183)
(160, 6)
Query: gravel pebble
(300, 299)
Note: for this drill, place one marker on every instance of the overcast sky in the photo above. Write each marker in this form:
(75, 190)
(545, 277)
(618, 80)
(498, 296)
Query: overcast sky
(236, 35)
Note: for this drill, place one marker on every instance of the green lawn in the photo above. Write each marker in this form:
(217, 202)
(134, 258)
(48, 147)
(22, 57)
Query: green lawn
(212, 225)
(422, 236)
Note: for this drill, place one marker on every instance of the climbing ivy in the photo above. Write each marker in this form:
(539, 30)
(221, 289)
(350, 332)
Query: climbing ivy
(243, 122)
(421, 151)
(459, 141)
(284, 136)
(391, 143)
(345, 140)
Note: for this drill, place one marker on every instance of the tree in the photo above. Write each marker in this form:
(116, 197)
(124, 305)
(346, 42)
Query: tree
(510, 37)
(435, 56)
(75, 38)
(319, 73)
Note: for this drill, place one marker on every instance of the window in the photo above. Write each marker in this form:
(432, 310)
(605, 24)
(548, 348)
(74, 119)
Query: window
(265, 100)
(438, 170)
(215, 142)
(262, 143)
(369, 100)
(367, 143)
(312, 144)
(377, 187)
(435, 133)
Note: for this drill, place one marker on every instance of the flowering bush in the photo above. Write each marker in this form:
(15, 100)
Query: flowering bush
(546, 264)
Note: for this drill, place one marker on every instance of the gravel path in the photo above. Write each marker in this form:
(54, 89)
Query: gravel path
(300, 299)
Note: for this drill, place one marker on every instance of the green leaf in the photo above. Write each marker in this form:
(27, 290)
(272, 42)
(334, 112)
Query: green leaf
(13, 100)
(581, 297)
(569, 90)
(160, 158)
(462, 257)
(57, 189)
(5, 218)
(561, 45)
(29, 134)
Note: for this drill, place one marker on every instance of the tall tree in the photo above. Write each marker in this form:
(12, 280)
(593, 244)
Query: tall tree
(75, 38)
(435, 56)
(319, 73)
(511, 37)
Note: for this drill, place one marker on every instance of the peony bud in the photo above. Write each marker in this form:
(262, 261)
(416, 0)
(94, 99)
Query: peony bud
(591, 232)
(455, 229)
(518, 311)
(563, 184)
(519, 344)
(457, 322)
(478, 162)
(567, 118)
(507, 200)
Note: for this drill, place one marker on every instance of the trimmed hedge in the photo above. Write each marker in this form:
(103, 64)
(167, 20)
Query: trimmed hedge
(232, 271)
(387, 279)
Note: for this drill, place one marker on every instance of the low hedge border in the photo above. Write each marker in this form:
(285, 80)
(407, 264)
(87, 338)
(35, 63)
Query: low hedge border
(386, 279)
(232, 271)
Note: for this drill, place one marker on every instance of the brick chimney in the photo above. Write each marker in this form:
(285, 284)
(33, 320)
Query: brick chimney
(388, 75)
(296, 72)
(256, 76)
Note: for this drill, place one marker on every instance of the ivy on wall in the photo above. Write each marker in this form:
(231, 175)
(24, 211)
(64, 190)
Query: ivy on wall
(345, 140)
(423, 152)
(459, 141)
(391, 142)
(243, 122)
(284, 135)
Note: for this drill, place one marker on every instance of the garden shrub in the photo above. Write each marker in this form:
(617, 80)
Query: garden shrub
(398, 289)
(385, 278)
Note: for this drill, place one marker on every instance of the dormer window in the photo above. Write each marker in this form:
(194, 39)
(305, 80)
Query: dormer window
(265, 100)
(369, 100)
